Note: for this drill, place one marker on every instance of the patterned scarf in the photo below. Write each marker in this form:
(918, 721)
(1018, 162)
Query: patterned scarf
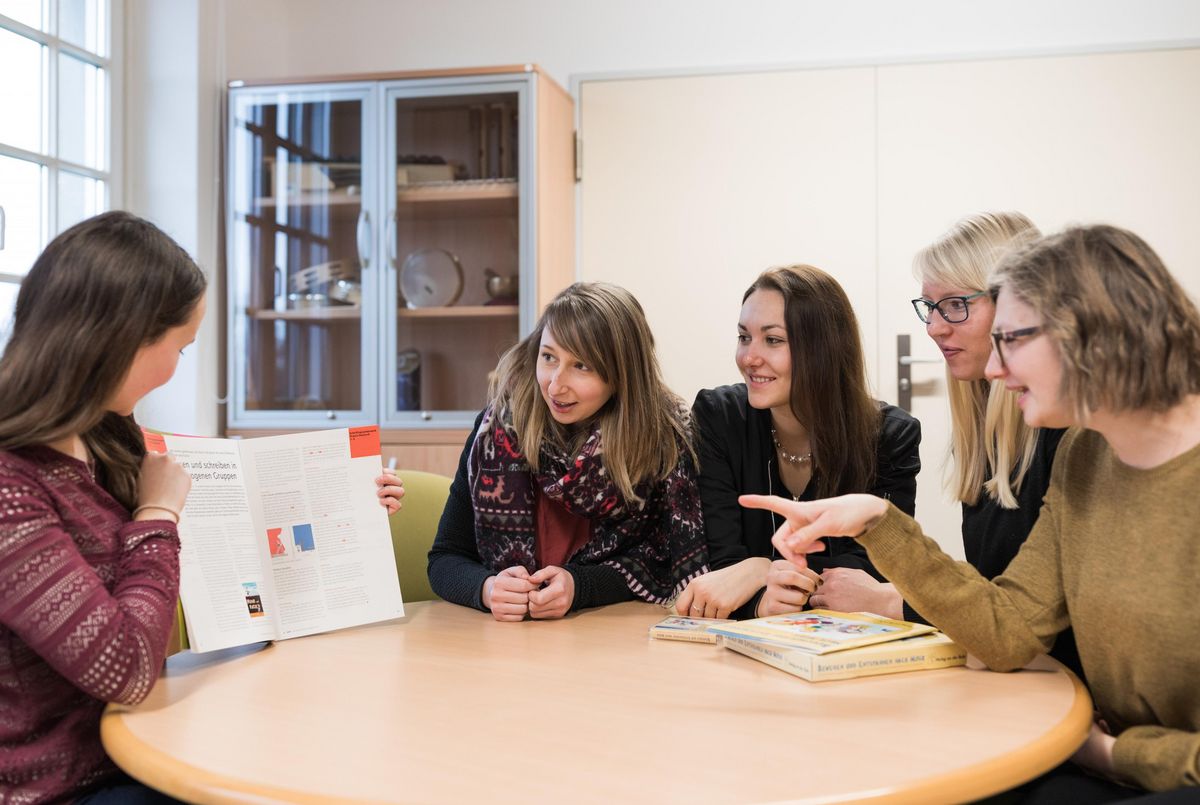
(658, 547)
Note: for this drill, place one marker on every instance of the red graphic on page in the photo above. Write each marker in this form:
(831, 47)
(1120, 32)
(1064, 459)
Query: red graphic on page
(275, 543)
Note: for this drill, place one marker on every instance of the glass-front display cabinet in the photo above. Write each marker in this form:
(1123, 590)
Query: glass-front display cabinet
(388, 240)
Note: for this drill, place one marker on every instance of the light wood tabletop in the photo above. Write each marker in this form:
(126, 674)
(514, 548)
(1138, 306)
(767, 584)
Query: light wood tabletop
(447, 705)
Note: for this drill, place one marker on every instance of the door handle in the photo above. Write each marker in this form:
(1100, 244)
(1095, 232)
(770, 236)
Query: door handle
(363, 238)
(904, 362)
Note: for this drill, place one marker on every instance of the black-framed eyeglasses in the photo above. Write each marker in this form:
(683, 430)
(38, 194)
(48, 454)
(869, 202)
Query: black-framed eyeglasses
(954, 309)
(1002, 338)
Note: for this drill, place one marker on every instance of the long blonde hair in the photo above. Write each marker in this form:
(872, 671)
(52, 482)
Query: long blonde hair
(988, 433)
(644, 425)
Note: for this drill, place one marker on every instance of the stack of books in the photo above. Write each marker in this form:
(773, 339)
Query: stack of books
(821, 645)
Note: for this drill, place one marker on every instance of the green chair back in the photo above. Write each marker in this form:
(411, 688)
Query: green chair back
(413, 529)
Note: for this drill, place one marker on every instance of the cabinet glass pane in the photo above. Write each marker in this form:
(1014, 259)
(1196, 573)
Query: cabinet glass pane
(81, 112)
(455, 244)
(29, 12)
(23, 197)
(81, 22)
(8, 301)
(21, 111)
(296, 191)
(79, 197)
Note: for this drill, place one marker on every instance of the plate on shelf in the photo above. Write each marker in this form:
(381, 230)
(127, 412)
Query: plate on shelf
(431, 278)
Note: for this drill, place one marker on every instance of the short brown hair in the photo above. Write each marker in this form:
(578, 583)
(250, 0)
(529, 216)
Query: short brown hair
(1128, 334)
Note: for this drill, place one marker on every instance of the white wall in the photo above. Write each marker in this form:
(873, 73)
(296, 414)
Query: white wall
(180, 54)
(567, 37)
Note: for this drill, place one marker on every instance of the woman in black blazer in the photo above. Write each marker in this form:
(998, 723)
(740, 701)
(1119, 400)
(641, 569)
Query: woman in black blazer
(803, 425)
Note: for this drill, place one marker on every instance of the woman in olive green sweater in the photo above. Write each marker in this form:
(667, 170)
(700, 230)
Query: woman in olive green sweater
(1093, 332)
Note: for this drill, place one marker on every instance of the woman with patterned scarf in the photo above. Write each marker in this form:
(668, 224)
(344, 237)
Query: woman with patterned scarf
(577, 486)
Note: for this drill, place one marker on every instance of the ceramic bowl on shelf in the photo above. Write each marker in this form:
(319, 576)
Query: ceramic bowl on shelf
(431, 278)
(499, 287)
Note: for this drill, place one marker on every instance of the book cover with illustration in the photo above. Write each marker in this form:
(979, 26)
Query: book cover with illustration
(820, 631)
(919, 653)
(693, 630)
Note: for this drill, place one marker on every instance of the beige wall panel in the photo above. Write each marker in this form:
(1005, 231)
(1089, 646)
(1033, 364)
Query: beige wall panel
(1069, 139)
(693, 185)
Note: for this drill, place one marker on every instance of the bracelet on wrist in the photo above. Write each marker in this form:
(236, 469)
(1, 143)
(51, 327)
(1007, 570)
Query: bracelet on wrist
(158, 506)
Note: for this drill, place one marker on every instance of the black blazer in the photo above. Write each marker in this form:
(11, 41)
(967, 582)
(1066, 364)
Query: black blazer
(737, 457)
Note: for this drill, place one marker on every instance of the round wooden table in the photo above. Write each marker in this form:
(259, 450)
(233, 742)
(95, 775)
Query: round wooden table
(447, 705)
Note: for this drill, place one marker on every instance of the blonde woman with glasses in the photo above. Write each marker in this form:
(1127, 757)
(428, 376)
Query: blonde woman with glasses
(1001, 466)
(1092, 331)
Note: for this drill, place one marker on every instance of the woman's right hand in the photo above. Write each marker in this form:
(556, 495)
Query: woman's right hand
(806, 522)
(506, 594)
(161, 482)
(788, 588)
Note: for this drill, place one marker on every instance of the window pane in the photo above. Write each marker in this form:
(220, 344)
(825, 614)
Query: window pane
(81, 22)
(81, 113)
(22, 116)
(22, 195)
(8, 300)
(79, 197)
(30, 12)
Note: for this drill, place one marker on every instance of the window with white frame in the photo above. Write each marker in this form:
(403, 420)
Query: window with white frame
(56, 71)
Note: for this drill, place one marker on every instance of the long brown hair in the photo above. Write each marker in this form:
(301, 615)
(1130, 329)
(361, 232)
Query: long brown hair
(644, 425)
(100, 291)
(829, 393)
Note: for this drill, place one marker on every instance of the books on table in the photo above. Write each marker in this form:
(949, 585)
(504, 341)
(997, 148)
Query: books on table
(693, 630)
(821, 645)
(282, 536)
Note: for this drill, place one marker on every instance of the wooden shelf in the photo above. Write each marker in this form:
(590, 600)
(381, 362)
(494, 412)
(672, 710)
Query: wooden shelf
(312, 198)
(451, 192)
(314, 314)
(464, 312)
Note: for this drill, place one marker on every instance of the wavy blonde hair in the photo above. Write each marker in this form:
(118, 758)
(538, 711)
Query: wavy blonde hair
(990, 443)
(644, 425)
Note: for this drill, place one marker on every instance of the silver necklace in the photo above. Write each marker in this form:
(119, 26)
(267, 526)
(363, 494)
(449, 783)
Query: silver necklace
(790, 458)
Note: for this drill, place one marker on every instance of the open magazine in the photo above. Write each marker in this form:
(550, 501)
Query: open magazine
(282, 536)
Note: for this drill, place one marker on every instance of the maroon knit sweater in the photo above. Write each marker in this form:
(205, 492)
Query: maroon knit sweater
(87, 600)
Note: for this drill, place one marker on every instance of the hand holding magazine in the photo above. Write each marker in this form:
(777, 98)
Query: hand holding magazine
(282, 536)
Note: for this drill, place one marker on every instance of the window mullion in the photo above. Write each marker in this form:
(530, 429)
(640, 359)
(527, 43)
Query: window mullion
(52, 135)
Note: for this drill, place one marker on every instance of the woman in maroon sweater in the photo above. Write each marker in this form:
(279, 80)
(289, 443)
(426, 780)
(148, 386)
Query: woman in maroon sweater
(89, 553)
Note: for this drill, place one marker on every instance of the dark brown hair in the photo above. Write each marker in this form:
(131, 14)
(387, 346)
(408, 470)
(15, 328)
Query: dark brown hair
(1126, 331)
(100, 291)
(829, 392)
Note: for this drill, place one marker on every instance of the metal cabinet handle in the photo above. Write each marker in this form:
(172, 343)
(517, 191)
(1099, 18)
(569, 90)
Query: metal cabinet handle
(363, 233)
(391, 238)
(903, 371)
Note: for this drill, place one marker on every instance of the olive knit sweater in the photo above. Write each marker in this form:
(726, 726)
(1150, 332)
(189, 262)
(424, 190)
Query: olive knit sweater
(1115, 554)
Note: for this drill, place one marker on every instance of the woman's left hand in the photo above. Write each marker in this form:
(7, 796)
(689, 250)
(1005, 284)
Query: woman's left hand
(1096, 754)
(555, 598)
(390, 490)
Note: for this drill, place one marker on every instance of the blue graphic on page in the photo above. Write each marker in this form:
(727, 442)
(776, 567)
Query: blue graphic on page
(302, 536)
